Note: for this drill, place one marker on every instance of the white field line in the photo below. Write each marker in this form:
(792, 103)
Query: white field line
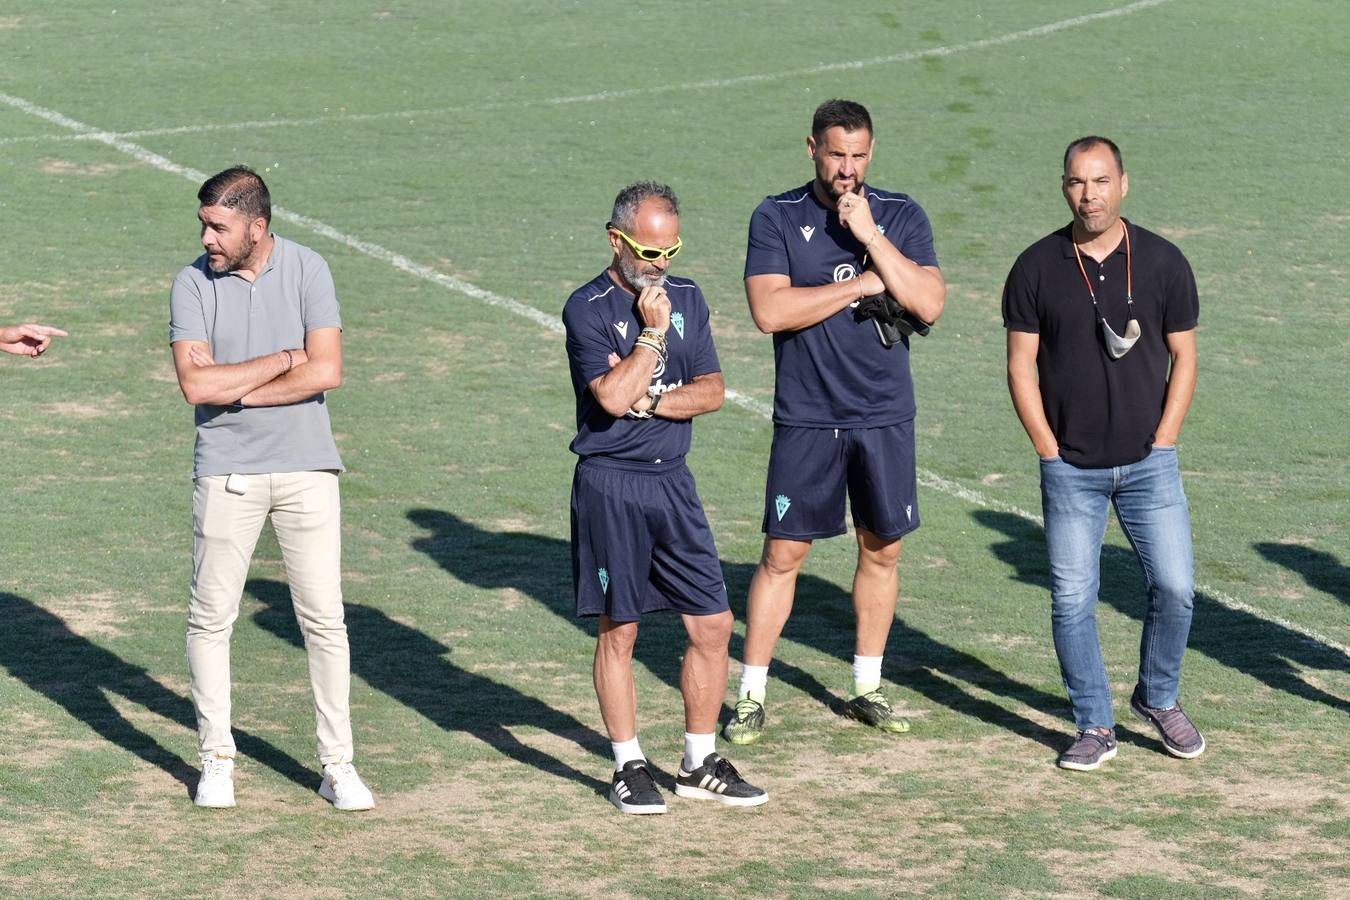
(552, 323)
(709, 84)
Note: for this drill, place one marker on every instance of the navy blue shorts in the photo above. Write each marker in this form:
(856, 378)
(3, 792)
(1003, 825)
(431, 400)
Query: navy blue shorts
(811, 470)
(641, 542)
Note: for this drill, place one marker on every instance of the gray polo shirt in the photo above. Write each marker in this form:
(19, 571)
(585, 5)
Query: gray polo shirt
(291, 297)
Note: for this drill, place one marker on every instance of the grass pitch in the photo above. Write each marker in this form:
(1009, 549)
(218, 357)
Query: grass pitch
(455, 164)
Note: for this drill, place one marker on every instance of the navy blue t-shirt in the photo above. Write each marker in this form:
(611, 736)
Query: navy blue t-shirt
(835, 374)
(602, 318)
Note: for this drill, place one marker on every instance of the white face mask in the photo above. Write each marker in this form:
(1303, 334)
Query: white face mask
(1116, 345)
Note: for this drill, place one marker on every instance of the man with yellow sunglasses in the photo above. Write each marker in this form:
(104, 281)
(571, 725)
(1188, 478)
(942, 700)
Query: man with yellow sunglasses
(643, 365)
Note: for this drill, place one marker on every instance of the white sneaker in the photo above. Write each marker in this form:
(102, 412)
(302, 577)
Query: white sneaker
(343, 788)
(216, 787)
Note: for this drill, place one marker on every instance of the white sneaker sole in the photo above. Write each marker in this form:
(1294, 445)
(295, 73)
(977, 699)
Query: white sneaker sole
(1088, 767)
(327, 793)
(636, 809)
(218, 803)
(697, 793)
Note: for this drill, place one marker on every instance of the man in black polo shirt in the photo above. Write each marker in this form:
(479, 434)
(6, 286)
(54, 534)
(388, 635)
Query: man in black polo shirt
(1101, 320)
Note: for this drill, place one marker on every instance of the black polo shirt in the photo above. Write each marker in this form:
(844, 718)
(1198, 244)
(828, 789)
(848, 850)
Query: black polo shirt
(1103, 411)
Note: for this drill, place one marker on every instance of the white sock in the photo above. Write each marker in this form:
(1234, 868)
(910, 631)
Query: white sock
(696, 749)
(626, 751)
(866, 674)
(754, 682)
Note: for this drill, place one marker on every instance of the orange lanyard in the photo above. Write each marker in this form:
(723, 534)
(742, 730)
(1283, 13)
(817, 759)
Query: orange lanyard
(1129, 274)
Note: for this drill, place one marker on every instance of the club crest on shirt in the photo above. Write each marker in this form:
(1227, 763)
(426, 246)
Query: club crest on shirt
(604, 580)
(807, 231)
(781, 504)
(677, 319)
(622, 328)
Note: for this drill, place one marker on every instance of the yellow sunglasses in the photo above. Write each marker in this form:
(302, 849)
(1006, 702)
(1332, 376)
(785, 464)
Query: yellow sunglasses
(651, 254)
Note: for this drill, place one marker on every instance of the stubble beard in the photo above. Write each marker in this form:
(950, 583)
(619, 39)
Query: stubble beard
(630, 269)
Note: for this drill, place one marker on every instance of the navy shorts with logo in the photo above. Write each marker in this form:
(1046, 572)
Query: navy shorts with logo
(641, 542)
(812, 469)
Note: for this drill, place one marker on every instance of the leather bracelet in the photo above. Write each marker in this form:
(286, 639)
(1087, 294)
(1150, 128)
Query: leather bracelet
(657, 338)
(651, 345)
(656, 400)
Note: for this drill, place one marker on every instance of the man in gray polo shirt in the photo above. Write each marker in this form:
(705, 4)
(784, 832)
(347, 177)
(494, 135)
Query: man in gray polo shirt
(257, 339)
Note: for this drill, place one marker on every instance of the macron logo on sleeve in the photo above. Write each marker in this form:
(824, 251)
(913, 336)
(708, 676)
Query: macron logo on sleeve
(807, 231)
(622, 328)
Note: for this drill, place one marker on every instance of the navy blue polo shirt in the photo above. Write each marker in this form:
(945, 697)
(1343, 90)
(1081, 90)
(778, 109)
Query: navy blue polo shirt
(1103, 411)
(836, 373)
(602, 318)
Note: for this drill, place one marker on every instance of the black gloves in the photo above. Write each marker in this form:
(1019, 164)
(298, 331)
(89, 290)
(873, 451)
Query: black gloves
(894, 323)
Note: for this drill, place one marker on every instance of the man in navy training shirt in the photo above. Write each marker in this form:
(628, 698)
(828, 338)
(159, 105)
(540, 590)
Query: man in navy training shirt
(1101, 320)
(843, 401)
(643, 365)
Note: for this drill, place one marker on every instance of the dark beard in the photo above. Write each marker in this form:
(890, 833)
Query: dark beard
(827, 189)
(231, 263)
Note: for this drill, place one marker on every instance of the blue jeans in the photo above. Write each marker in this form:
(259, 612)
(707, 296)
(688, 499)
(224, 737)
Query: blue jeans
(1151, 508)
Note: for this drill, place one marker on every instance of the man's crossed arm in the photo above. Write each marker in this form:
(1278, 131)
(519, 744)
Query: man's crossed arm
(276, 379)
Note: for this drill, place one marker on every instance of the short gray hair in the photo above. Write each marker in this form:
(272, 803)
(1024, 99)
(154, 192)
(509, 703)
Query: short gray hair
(624, 214)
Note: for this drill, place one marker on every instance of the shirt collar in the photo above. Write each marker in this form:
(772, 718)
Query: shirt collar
(1066, 239)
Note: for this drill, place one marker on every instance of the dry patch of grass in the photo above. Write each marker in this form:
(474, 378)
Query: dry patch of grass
(100, 614)
(1180, 232)
(34, 747)
(76, 410)
(53, 166)
(116, 330)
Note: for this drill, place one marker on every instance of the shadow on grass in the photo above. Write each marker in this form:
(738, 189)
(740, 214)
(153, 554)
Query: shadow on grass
(540, 567)
(1322, 571)
(40, 650)
(1257, 647)
(411, 668)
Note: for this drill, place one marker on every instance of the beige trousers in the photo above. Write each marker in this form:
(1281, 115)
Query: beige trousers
(306, 516)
